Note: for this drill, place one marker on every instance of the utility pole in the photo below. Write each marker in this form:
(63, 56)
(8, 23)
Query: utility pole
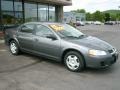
(118, 15)
(1, 27)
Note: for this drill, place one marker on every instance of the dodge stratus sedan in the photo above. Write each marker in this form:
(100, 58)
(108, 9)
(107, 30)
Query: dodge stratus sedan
(61, 42)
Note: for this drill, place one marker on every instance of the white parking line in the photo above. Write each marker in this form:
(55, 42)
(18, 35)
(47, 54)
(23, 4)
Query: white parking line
(3, 50)
(1, 41)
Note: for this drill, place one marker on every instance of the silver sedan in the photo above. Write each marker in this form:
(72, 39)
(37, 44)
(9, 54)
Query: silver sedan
(61, 42)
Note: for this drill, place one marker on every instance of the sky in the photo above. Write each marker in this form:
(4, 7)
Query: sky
(93, 5)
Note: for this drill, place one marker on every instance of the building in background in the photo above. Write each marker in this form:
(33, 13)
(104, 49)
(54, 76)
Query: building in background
(74, 17)
(15, 12)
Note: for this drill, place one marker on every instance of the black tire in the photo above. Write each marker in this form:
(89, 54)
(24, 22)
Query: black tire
(17, 50)
(79, 60)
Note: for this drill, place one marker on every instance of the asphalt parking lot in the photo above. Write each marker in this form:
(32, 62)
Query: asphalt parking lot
(28, 72)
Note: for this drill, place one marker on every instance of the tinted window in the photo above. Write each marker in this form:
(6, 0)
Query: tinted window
(7, 5)
(30, 12)
(27, 28)
(12, 14)
(43, 31)
(51, 13)
(42, 12)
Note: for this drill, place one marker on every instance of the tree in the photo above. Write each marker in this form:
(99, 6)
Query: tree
(113, 17)
(118, 16)
(79, 11)
(98, 16)
(107, 17)
(88, 16)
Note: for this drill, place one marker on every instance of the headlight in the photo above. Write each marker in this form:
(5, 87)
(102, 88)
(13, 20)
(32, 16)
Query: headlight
(97, 52)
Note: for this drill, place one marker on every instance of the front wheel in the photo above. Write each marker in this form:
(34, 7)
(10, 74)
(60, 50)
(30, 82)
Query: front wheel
(14, 48)
(74, 61)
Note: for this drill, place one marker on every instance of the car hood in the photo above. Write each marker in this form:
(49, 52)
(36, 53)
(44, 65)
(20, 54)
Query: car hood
(93, 43)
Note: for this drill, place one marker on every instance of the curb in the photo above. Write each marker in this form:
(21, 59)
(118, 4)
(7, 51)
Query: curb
(100, 30)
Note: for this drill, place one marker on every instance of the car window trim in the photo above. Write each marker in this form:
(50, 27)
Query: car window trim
(46, 27)
(33, 31)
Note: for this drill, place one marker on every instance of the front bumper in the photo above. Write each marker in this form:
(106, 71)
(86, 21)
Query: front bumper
(102, 61)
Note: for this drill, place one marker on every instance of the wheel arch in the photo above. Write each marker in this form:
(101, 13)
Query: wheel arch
(10, 40)
(13, 39)
(68, 50)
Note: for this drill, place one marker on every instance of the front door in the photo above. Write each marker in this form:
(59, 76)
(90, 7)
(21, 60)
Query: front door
(44, 45)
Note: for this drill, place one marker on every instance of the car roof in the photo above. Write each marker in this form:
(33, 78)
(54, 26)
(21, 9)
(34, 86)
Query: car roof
(44, 23)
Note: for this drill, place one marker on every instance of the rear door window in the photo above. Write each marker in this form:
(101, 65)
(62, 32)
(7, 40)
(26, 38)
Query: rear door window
(28, 28)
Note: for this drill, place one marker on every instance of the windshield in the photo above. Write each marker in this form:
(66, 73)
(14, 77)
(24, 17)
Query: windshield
(66, 31)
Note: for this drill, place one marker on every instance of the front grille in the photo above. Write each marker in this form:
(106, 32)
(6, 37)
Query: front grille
(102, 63)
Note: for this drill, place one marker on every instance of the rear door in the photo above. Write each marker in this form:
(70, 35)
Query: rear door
(25, 36)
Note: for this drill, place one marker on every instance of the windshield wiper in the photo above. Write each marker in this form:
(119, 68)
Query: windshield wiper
(71, 36)
(81, 36)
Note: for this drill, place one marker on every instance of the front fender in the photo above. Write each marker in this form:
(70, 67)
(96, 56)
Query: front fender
(66, 46)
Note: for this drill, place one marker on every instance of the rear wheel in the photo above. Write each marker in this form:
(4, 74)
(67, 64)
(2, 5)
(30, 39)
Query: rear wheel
(14, 48)
(74, 61)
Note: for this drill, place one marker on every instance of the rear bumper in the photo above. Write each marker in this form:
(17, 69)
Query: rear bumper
(102, 61)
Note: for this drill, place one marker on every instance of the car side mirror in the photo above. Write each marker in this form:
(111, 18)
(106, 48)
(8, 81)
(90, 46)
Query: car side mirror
(51, 36)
